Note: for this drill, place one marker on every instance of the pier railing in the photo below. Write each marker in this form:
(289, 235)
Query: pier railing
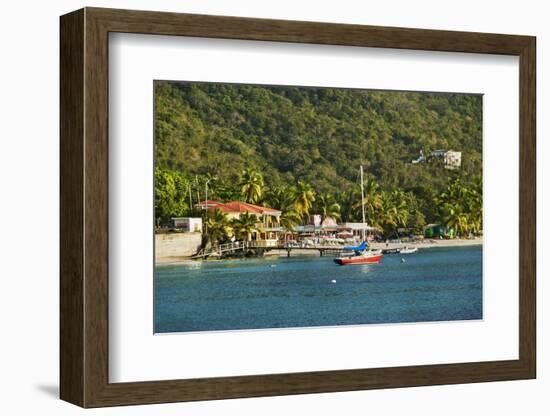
(264, 245)
(221, 249)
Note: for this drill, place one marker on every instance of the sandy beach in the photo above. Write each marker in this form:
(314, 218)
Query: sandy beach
(429, 243)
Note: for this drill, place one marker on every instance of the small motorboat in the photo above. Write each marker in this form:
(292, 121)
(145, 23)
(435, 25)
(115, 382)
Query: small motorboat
(363, 257)
(391, 251)
(406, 250)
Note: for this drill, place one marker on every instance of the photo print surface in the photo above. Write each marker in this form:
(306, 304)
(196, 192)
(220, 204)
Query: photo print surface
(292, 207)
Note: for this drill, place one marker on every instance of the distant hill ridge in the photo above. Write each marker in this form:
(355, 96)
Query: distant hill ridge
(320, 135)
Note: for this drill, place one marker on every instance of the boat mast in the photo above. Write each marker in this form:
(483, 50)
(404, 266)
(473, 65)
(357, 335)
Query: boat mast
(363, 202)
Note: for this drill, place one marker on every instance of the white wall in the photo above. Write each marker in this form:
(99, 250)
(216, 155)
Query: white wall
(174, 245)
(29, 174)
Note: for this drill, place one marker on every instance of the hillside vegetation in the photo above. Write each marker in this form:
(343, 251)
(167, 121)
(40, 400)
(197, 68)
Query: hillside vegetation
(283, 140)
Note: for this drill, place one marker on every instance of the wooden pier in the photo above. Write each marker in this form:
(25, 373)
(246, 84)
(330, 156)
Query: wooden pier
(260, 247)
(323, 250)
(220, 250)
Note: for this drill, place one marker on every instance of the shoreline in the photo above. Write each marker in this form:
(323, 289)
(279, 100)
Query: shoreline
(431, 243)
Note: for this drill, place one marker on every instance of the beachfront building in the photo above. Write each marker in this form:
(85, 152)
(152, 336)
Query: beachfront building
(322, 234)
(318, 231)
(438, 231)
(188, 224)
(328, 231)
(268, 226)
(356, 229)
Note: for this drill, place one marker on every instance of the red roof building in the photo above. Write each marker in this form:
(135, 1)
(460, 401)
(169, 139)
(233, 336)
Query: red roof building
(238, 207)
(268, 225)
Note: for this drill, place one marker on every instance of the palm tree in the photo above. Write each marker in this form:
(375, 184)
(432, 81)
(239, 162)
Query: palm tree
(373, 204)
(387, 218)
(455, 218)
(476, 212)
(283, 198)
(244, 226)
(348, 201)
(280, 197)
(290, 219)
(416, 219)
(462, 206)
(394, 212)
(303, 198)
(475, 206)
(217, 227)
(401, 208)
(251, 184)
(327, 207)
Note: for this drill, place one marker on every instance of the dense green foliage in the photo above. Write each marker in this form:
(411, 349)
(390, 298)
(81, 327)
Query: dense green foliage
(299, 150)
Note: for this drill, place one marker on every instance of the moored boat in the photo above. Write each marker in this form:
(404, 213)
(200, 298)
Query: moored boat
(361, 253)
(365, 257)
(408, 250)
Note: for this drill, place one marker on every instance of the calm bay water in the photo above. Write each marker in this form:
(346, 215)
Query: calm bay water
(439, 284)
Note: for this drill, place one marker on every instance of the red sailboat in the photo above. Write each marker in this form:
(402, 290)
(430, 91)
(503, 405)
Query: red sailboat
(361, 254)
(365, 257)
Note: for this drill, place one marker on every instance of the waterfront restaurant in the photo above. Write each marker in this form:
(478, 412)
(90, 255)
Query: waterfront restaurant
(322, 231)
(357, 228)
(268, 228)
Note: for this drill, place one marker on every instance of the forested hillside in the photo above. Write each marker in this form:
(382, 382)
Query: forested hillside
(313, 136)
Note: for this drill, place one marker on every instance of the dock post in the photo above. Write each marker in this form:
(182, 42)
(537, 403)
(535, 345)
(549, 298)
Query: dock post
(288, 252)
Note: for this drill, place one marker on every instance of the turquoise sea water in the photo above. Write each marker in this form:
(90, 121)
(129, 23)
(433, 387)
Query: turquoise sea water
(439, 284)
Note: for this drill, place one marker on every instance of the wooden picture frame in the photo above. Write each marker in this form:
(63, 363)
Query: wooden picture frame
(84, 207)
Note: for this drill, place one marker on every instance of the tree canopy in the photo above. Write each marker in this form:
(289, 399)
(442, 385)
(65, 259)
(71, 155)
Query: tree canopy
(299, 149)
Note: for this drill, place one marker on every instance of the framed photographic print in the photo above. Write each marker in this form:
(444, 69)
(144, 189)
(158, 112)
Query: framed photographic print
(256, 207)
